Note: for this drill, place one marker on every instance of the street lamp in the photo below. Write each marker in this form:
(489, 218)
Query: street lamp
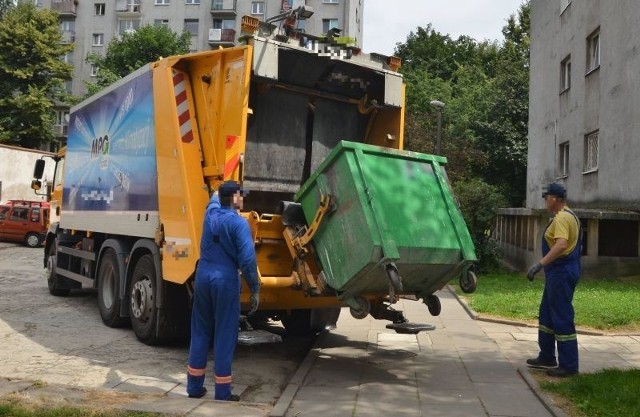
(439, 109)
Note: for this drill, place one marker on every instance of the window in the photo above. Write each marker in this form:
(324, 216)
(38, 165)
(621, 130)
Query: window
(563, 160)
(217, 5)
(224, 24)
(257, 7)
(565, 74)
(98, 39)
(99, 9)
(593, 51)
(68, 58)
(591, 152)
(67, 26)
(161, 22)
(192, 2)
(94, 70)
(128, 25)
(162, 2)
(191, 26)
(328, 24)
(19, 214)
(330, 1)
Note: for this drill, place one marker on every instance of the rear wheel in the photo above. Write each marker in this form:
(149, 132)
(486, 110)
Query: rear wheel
(108, 296)
(53, 279)
(142, 297)
(32, 240)
(468, 282)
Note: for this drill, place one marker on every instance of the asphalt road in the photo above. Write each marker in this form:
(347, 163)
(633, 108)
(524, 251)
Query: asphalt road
(62, 340)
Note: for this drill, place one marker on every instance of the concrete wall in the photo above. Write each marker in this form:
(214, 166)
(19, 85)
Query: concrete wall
(606, 99)
(16, 173)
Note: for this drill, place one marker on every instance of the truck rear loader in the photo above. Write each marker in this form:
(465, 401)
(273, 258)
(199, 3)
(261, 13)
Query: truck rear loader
(144, 155)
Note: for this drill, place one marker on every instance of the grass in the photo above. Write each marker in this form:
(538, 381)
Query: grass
(605, 393)
(13, 409)
(605, 305)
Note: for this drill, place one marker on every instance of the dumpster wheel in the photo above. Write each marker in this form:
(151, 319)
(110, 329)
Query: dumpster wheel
(433, 304)
(468, 282)
(363, 309)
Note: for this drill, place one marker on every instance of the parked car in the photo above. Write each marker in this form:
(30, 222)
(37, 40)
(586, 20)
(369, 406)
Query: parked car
(24, 221)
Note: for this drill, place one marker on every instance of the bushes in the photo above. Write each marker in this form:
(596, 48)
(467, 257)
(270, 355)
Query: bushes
(478, 202)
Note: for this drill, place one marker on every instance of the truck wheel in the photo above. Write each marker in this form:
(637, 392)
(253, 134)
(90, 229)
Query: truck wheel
(297, 322)
(142, 309)
(108, 296)
(32, 240)
(53, 279)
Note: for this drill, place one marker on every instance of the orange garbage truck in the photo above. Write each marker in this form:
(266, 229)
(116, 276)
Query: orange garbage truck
(144, 155)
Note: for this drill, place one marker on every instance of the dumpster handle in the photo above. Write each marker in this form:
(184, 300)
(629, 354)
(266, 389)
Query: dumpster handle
(300, 242)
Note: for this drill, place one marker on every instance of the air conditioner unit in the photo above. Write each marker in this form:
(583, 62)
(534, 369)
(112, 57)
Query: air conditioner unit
(215, 35)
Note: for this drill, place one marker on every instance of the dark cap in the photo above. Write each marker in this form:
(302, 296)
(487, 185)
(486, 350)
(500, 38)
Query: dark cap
(556, 190)
(229, 188)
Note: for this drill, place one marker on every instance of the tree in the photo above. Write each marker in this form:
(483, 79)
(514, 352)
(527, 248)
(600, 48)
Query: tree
(5, 5)
(132, 50)
(32, 74)
(503, 134)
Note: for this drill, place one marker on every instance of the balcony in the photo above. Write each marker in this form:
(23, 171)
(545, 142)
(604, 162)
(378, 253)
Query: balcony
(60, 130)
(223, 9)
(222, 37)
(128, 8)
(65, 8)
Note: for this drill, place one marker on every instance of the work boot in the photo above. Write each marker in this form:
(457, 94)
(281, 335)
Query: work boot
(561, 372)
(234, 397)
(200, 394)
(542, 363)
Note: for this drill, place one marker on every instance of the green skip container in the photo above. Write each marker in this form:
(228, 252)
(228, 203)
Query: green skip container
(392, 211)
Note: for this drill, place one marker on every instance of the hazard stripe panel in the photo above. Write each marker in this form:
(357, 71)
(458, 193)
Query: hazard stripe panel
(182, 106)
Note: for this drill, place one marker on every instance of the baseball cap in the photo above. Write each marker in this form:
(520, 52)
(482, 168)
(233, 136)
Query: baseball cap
(229, 188)
(555, 189)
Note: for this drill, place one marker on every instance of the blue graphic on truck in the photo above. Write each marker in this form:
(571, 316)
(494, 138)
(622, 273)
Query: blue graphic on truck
(111, 161)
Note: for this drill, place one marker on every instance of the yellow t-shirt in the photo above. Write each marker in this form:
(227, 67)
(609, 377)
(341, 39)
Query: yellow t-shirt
(563, 226)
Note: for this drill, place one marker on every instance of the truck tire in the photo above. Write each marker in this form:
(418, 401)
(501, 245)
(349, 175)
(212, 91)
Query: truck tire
(53, 279)
(108, 295)
(142, 307)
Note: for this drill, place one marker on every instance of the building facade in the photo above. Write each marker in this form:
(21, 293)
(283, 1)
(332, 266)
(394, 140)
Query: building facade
(584, 132)
(91, 25)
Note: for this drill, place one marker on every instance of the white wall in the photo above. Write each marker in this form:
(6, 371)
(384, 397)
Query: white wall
(16, 173)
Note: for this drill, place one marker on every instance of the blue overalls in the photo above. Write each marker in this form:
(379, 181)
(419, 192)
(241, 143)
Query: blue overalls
(556, 319)
(227, 245)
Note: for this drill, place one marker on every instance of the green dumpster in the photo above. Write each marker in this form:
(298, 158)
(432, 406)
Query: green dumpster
(393, 213)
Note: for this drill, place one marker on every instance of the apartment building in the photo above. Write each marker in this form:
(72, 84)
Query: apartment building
(584, 132)
(90, 25)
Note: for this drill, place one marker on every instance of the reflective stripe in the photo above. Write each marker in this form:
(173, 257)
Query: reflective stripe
(223, 379)
(545, 329)
(195, 371)
(566, 337)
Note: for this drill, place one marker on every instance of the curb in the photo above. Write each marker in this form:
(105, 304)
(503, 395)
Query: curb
(537, 391)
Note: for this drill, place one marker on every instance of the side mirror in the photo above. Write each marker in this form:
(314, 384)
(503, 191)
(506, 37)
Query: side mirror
(36, 185)
(38, 170)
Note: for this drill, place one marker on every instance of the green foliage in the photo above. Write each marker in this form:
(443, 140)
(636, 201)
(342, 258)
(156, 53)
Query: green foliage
(5, 5)
(478, 202)
(134, 49)
(601, 304)
(485, 88)
(31, 74)
(609, 392)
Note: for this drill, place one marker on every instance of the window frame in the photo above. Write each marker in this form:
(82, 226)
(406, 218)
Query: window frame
(565, 74)
(328, 24)
(97, 39)
(593, 51)
(197, 28)
(330, 1)
(99, 7)
(161, 22)
(93, 71)
(256, 10)
(563, 159)
(590, 162)
(192, 2)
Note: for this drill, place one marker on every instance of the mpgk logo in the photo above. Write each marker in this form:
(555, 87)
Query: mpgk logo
(100, 146)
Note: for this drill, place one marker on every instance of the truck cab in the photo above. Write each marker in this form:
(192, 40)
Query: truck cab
(24, 221)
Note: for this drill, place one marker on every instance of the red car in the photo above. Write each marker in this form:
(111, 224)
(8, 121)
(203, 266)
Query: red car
(24, 221)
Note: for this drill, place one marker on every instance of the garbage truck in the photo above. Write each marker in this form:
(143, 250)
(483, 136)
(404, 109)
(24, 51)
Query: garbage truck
(312, 128)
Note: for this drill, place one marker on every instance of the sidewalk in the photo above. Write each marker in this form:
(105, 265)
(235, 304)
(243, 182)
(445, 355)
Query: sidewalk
(464, 367)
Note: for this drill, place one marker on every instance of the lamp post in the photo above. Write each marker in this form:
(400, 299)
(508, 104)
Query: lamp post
(439, 109)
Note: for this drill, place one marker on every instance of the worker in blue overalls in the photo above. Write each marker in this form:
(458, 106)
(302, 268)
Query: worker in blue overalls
(561, 250)
(226, 247)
